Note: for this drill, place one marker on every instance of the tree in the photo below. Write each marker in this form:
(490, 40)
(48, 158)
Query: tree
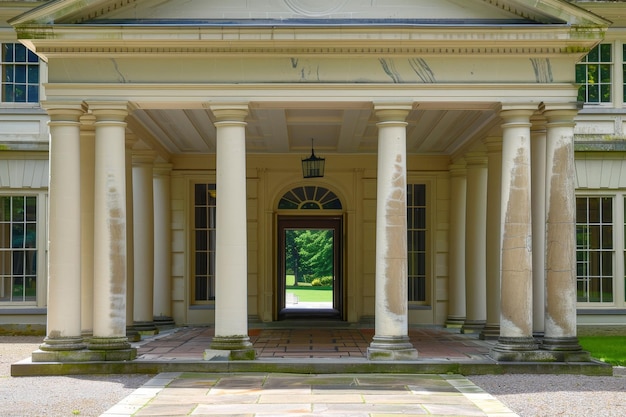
(309, 253)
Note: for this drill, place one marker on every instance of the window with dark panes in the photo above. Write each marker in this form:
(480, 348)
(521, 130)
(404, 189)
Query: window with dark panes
(20, 74)
(416, 241)
(594, 74)
(18, 248)
(204, 243)
(594, 249)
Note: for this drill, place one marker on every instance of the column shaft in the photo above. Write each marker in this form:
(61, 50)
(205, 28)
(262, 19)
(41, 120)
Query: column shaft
(143, 241)
(391, 341)
(64, 231)
(476, 243)
(538, 157)
(560, 317)
(87, 158)
(494, 185)
(231, 296)
(109, 328)
(162, 244)
(516, 238)
(456, 262)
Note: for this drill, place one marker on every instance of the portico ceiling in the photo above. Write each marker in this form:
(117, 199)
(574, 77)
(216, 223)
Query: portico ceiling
(335, 128)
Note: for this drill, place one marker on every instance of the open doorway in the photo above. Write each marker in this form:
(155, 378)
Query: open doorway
(309, 267)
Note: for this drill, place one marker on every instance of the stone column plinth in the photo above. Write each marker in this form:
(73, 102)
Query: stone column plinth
(560, 338)
(231, 339)
(476, 243)
(391, 340)
(456, 265)
(63, 329)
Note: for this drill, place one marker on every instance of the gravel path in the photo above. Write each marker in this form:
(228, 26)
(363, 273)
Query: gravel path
(56, 396)
(92, 395)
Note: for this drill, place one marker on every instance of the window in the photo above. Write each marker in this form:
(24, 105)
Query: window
(20, 74)
(204, 233)
(416, 241)
(594, 75)
(18, 248)
(594, 249)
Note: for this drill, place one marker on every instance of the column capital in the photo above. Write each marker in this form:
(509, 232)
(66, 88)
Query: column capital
(560, 113)
(493, 144)
(392, 112)
(143, 157)
(61, 111)
(458, 168)
(516, 114)
(476, 158)
(163, 169)
(109, 111)
(229, 112)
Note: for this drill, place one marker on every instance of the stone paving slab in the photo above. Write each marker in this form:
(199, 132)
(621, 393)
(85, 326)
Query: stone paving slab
(265, 395)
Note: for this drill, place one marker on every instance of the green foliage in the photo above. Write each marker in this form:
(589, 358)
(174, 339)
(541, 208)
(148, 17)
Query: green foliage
(609, 349)
(327, 281)
(317, 282)
(309, 253)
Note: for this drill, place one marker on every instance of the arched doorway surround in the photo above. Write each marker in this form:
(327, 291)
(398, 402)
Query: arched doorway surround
(311, 213)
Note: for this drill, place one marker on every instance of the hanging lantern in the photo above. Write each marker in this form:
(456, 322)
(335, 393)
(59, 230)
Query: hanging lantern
(313, 166)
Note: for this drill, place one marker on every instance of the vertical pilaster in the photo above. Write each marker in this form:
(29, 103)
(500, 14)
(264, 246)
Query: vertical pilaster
(63, 330)
(476, 243)
(231, 270)
(109, 330)
(494, 184)
(456, 280)
(538, 158)
(143, 239)
(391, 340)
(560, 315)
(162, 245)
(516, 341)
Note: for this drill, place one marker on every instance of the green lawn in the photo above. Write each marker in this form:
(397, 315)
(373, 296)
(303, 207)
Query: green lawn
(609, 349)
(306, 293)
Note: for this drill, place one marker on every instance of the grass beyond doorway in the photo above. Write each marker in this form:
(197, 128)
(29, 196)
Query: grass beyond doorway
(609, 349)
(307, 293)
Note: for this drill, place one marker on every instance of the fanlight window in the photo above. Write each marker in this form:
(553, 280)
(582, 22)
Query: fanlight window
(309, 198)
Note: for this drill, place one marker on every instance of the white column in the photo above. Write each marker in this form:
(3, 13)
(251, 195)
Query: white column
(87, 158)
(162, 244)
(143, 241)
(456, 262)
(538, 161)
(516, 338)
(560, 315)
(494, 185)
(109, 330)
(476, 243)
(132, 333)
(231, 270)
(64, 232)
(391, 340)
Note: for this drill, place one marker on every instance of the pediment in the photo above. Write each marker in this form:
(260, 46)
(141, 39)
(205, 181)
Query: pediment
(309, 12)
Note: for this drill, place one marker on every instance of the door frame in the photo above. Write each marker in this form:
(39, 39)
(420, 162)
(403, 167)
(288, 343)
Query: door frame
(334, 222)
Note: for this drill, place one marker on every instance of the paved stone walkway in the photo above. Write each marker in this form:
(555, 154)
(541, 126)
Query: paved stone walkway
(202, 394)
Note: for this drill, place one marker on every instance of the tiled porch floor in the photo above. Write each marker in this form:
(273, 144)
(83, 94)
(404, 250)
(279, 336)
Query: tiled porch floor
(348, 343)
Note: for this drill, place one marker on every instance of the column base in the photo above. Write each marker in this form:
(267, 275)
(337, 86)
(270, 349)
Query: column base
(147, 328)
(473, 326)
(164, 322)
(490, 332)
(132, 334)
(565, 349)
(391, 348)
(234, 348)
(51, 344)
(454, 322)
(518, 349)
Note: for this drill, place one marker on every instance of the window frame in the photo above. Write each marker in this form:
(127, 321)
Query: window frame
(40, 75)
(431, 209)
(194, 250)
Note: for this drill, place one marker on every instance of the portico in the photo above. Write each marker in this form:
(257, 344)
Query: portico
(230, 110)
